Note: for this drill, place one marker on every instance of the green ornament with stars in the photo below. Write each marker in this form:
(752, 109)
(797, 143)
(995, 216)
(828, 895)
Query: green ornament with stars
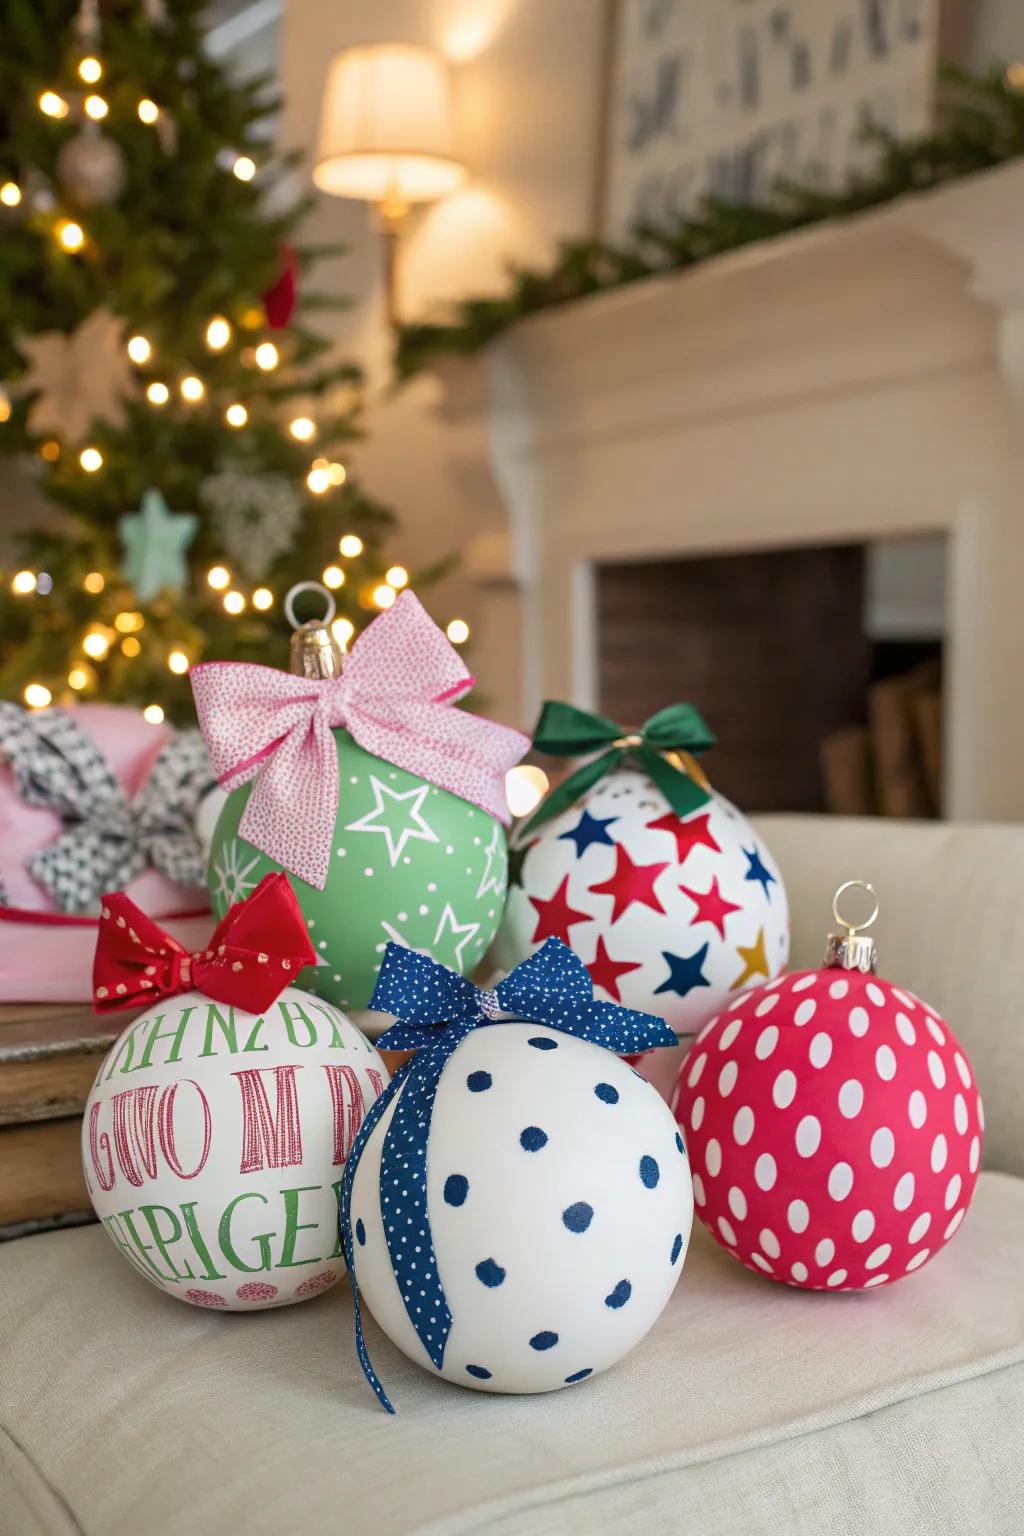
(410, 863)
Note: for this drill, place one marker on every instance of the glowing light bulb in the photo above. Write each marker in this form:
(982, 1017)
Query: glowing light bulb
(318, 480)
(90, 70)
(397, 577)
(1015, 75)
(178, 662)
(139, 349)
(51, 451)
(266, 356)
(53, 105)
(525, 788)
(458, 631)
(236, 415)
(78, 678)
(153, 714)
(157, 393)
(148, 110)
(263, 598)
(343, 630)
(94, 582)
(37, 696)
(91, 460)
(70, 235)
(350, 545)
(192, 388)
(244, 168)
(218, 577)
(23, 582)
(10, 194)
(218, 334)
(333, 576)
(5, 406)
(130, 647)
(96, 644)
(96, 108)
(338, 473)
(384, 596)
(44, 583)
(303, 429)
(234, 602)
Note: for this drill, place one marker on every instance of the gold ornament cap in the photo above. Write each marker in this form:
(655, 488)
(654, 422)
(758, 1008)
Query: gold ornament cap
(314, 650)
(852, 950)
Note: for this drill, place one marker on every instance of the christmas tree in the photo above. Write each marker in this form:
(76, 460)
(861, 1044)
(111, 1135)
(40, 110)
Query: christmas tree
(161, 382)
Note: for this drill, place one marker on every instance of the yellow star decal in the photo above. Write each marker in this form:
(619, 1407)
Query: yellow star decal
(755, 961)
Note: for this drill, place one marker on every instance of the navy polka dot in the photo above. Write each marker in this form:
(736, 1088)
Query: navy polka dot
(621, 1294)
(607, 1094)
(533, 1138)
(479, 1371)
(490, 1273)
(479, 1082)
(580, 1375)
(360, 1233)
(579, 1216)
(677, 1247)
(679, 1144)
(650, 1173)
(542, 1043)
(544, 1340)
(456, 1188)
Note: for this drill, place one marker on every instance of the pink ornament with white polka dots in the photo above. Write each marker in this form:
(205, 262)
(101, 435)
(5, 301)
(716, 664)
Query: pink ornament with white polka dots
(833, 1125)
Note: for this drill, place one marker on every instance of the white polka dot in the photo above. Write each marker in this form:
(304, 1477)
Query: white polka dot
(859, 1021)
(367, 870)
(918, 1259)
(883, 1146)
(974, 1156)
(839, 989)
(767, 1040)
(821, 1050)
(784, 1089)
(962, 1068)
(936, 1071)
(905, 1030)
(727, 1078)
(727, 1230)
(729, 1034)
(903, 1194)
(836, 1278)
(825, 1252)
(981, 1112)
(737, 1002)
(840, 1181)
(766, 1005)
(862, 1226)
(885, 1063)
(851, 1098)
(737, 1202)
(919, 1227)
(424, 911)
(906, 998)
(693, 1076)
(697, 1113)
(875, 1280)
(765, 1171)
(761, 1262)
(743, 1125)
(960, 1113)
(803, 982)
(957, 1219)
(935, 1029)
(940, 1153)
(917, 1109)
(878, 1256)
(798, 1215)
(769, 1242)
(953, 1191)
(808, 1136)
(875, 993)
(713, 1158)
(806, 1011)
(699, 1192)
(799, 1271)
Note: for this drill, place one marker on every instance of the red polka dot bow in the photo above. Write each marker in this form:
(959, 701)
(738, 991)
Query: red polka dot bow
(256, 950)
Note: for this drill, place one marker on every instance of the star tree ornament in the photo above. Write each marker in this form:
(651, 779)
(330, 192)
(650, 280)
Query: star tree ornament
(661, 886)
(90, 167)
(155, 540)
(256, 516)
(383, 802)
(834, 1124)
(78, 378)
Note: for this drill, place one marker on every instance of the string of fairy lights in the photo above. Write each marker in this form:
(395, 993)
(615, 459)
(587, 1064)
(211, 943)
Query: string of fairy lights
(324, 475)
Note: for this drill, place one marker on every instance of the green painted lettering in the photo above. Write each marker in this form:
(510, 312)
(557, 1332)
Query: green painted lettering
(156, 1033)
(293, 1226)
(337, 1250)
(250, 1044)
(162, 1239)
(226, 1027)
(210, 1270)
(262, 1242)
(144, 1248)
(310, 1027)
(116, 1234)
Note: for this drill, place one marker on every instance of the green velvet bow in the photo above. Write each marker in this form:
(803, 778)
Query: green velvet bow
(565, 731)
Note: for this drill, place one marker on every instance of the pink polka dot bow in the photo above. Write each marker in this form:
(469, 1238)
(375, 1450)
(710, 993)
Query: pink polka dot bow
(395, 697)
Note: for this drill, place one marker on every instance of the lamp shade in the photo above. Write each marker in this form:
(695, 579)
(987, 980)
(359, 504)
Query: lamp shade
(386, 130)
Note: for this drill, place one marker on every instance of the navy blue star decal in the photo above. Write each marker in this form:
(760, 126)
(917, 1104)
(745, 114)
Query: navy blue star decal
(758, 871)
(685, 972)
(587, 831)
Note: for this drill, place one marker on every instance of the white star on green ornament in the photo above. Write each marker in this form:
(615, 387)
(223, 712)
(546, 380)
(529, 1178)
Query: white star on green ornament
(450, 923)
(397, 836)
(155, 540)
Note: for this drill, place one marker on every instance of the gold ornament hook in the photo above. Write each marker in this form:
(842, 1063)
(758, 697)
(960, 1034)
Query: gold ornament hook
(314, 650)
(854, 950)
(854, 885)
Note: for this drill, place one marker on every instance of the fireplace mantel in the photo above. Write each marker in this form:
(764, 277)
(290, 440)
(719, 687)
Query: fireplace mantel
(853, 381)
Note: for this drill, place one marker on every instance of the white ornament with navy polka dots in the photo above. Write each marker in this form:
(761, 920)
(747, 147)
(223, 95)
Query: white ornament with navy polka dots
(560, 1206)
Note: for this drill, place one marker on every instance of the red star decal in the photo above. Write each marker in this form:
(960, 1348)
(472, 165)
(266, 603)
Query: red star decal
(555, 916)
(711, 905)
(688, 834)
(630, 882)
(605, 972)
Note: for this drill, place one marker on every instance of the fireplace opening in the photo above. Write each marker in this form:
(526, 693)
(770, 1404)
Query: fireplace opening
(818, 667)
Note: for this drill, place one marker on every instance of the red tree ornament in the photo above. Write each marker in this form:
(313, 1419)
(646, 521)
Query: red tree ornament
(280, 298)
(833, 1124)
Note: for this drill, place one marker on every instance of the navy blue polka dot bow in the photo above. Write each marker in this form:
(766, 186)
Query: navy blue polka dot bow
(435, 1010)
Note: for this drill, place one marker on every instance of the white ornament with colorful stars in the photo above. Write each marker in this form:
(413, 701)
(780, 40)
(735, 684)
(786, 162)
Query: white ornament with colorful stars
(670, 915)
